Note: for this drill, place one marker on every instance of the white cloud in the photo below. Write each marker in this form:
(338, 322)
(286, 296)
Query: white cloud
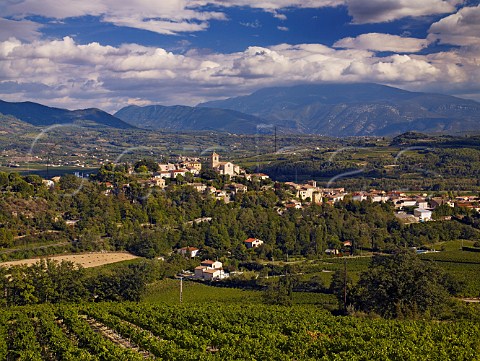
(282, 28)
(377, 11)
(279, 16)
(164, 17)
(64, 73)
(254, 25)
(177, 16)
(20, 29)
(382, 42)
(461, 28)
(271, 5)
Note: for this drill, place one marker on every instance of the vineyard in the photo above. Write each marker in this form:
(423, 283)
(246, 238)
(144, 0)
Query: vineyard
(216, 331)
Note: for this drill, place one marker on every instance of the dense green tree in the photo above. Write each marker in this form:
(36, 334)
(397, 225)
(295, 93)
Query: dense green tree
(401, 285)
(146, 165)
(280, 290)
(342, 286)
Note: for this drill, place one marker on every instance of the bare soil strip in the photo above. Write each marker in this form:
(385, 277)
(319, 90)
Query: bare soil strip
(87, 260)
(116, 338)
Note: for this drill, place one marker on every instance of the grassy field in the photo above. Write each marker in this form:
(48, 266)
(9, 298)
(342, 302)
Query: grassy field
(168, 291)
(464, 266)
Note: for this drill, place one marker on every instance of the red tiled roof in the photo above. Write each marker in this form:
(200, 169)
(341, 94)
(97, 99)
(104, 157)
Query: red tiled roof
(189, 249)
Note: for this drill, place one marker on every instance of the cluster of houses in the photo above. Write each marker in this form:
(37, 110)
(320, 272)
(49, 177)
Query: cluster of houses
(422, 204)
(419, 204)
(181, 168)
(310, 192)
(194, 166)
(213, 270)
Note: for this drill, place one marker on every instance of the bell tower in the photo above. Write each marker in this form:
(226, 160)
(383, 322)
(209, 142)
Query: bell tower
(215, 159)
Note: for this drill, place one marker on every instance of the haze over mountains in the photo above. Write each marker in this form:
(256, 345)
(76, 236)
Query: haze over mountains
(357, 109)
(179, 117)
(327, 109)
(41, 115)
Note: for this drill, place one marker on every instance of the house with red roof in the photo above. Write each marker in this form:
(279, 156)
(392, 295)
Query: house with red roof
(253, 242)
(188, 251)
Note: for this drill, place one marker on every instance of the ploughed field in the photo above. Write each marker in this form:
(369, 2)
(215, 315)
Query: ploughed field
(87, 260)
(219, 331)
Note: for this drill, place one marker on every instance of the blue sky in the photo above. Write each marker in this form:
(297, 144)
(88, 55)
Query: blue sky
(112, 53)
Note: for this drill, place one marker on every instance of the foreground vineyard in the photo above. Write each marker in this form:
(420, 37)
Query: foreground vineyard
(138, 331)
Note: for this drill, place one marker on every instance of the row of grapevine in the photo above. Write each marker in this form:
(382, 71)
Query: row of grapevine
(164, 349)
(91, 340)
(225, 332)
(260, 332)
(157, 325)
(21, 339)
(3, 335)
(49, 333)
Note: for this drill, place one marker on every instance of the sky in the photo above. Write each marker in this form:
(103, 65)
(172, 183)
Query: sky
(108, 54)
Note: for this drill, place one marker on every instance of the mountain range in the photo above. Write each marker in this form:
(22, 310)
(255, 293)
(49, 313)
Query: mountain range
(357, 109)
(41, 115)
(361, 109)
(179, 117)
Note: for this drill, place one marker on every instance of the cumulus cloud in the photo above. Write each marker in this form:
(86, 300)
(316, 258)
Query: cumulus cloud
(21, 29)
(377, 11)
(164, 17)
(461, 28)
(178, 16)
(382, 42)
(271, 5)
(75, 75)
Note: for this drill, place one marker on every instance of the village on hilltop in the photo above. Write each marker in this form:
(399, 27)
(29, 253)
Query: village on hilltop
(410, 207)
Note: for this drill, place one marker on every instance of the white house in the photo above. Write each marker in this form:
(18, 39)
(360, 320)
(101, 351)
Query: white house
(214, 274)
(256, 176)
(164, 174)
(423, 214)
(199, 187)
(188, 251)
(405, 202)
(211, 264)
(210, 270)
(359, 196)
(422, 204)
(253, 242)
(177, 172)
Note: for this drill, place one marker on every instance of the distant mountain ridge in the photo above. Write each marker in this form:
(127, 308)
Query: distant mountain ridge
(361, 109)
(179, 117)
(42, 115)
(357, 109)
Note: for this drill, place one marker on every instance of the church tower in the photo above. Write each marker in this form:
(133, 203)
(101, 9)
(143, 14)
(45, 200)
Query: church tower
(215, 160)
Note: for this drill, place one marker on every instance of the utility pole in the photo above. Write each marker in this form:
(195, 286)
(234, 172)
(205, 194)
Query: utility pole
(181, 289)
(344, 284)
